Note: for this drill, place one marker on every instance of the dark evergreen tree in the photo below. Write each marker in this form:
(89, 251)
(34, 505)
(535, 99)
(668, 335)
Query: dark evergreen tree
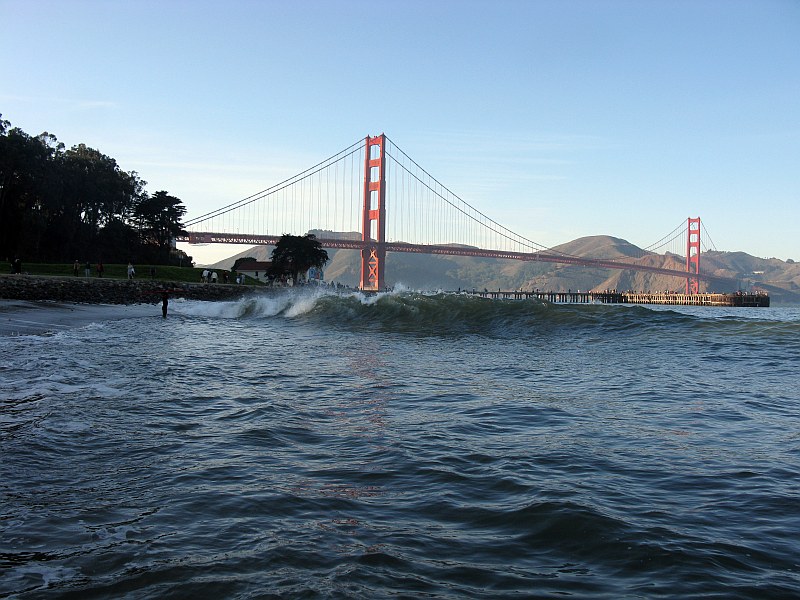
(25, 178)
(96, 194)
(58, 205)
(158, 218)
(295, 254)
(242, 260)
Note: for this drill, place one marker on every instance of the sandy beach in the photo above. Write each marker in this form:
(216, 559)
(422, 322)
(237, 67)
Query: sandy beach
(19, 317)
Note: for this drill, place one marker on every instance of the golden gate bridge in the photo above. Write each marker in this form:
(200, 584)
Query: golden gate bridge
(372, 197)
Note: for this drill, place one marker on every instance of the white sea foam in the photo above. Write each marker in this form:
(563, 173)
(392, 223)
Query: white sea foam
(302, 305)
(48, 575)
(289, 303)
(370, 299)
(260, 306)
(196, 308)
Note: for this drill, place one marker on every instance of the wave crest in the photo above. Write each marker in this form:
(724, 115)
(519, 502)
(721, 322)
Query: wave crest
(454, 314)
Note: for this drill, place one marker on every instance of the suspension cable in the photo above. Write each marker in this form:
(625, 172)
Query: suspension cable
(505, 233)
(707, 235)
(664, 241)
(278, 186)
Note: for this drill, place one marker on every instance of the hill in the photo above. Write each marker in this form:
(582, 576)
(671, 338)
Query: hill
(736, 270)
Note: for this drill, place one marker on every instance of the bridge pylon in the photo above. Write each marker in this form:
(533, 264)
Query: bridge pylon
(693, 255)
(373, 223)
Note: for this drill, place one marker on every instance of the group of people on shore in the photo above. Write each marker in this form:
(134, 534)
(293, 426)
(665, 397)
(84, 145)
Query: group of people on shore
(87, 269)
(99, 269)
(209, 276)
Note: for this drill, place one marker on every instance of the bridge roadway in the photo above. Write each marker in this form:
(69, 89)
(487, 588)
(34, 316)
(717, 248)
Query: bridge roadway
(449, 250)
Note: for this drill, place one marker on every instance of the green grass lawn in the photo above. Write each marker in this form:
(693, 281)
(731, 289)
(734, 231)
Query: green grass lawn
(162, 272)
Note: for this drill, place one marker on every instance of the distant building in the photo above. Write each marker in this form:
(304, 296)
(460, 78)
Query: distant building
(255, 269)
(316, 275)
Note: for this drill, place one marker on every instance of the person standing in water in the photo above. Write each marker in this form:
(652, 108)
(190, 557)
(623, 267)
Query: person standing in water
(164, 304)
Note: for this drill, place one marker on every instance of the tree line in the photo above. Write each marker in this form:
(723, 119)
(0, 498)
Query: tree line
(62, 205)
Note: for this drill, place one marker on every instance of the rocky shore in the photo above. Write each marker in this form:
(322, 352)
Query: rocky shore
(92, 290)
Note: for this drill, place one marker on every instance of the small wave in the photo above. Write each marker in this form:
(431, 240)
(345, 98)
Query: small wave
(284, 303)
(441, 313)
(455, 314)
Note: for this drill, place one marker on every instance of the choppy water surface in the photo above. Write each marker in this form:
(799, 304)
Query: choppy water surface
(404, 445)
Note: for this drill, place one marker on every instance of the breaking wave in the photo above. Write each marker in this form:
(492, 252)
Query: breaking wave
(440, 313)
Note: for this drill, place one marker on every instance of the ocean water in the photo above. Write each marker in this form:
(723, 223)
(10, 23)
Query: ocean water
(311, 445)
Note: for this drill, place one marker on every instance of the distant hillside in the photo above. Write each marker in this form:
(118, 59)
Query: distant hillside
(600, 246)
(420, 271)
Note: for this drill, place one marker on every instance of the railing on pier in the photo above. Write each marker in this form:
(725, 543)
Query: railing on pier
(613, 297)
(559, 297)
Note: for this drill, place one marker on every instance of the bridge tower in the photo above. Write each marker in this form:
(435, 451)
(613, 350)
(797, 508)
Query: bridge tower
(373, 223)
(693, 255)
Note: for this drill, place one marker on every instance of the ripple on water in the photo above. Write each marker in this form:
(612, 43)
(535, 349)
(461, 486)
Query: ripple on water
(315, 452)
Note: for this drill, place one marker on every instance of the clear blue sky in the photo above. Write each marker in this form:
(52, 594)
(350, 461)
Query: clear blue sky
(559, 118)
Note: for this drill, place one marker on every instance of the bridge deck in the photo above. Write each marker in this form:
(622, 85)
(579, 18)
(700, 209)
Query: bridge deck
(207, 237)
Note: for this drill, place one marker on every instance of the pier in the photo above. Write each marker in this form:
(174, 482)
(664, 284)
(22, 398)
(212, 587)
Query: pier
(612, 297)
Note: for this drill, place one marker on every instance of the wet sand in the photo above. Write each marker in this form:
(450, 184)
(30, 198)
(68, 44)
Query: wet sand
(19, 317)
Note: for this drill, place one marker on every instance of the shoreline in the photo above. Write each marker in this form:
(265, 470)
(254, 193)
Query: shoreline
(93, 290)
(41, 304)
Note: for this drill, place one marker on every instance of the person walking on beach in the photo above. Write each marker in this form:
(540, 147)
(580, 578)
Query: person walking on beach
(131, 271)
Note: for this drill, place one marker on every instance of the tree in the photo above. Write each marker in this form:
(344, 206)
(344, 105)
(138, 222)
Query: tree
(243, 259)
(28, 186)
(295, 254)
(58, 204)
(159, 221)
(117, 242)
(100, 191)
(55, 204)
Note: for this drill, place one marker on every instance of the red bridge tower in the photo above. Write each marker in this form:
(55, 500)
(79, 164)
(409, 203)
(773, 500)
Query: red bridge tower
(373, 225)
(693, 256)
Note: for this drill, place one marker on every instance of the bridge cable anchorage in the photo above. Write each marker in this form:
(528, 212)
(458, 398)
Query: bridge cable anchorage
(252, 197)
